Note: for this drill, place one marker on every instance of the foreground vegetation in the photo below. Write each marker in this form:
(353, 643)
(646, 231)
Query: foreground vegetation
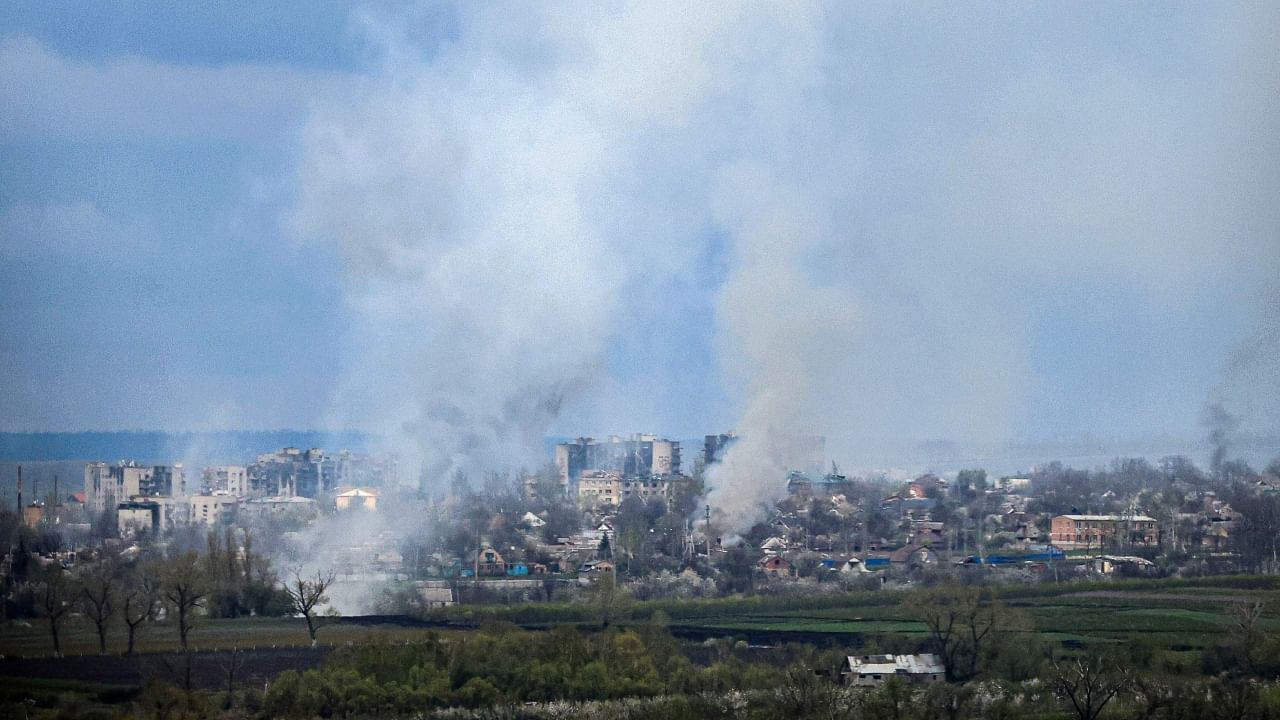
(1200, 648)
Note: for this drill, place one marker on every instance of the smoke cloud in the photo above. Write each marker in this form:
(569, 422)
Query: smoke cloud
(897, 204)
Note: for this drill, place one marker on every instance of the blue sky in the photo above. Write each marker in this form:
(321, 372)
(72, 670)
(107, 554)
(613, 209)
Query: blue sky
(1047, 221)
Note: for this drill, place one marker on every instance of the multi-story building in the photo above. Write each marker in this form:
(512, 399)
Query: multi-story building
(164, 481)
(638, 455)
(292, 472)
(358, 470)
(603, 488)
(713, 447)
(149, 514)
(599, 487)
(653, 487)
(107, 485)
(1099, 531)
(278, 507)
(212, 510)
(230, 479)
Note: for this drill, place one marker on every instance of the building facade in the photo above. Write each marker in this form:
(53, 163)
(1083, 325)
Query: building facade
(230, 479)
(1098, 531)
(639, 454)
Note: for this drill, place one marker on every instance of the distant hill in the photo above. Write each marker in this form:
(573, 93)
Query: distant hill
(163, 447)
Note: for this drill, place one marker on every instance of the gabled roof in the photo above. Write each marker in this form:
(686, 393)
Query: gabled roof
(924, 664)
(358, 492)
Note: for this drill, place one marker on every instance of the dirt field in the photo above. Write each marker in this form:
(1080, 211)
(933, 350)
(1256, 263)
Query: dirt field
(209, 669)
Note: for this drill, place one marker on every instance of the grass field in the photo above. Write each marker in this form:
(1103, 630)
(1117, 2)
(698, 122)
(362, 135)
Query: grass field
(1175, 615)
(1177, 618)
(31, 638)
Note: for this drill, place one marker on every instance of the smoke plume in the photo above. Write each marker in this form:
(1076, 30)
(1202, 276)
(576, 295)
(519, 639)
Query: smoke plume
(895, 208)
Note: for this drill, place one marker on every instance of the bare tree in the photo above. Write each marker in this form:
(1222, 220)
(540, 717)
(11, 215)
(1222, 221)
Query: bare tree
(141, 596)
(959, 621)
(1089, 683)
(57, 593)
(307, 596)
(234, 662)
(1247, 637)
(184, 587)
(97, 597)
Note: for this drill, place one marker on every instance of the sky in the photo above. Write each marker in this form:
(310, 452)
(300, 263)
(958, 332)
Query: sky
(469, 226)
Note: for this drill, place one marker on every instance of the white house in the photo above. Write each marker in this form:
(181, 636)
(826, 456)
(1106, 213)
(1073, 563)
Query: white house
(877, 669)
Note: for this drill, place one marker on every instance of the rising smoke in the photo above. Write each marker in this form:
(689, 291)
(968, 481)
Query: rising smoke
(894, 207)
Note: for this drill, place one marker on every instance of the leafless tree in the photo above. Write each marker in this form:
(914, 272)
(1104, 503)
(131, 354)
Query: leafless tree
(57, 593)
(307, 596)
(1089, 683)
(234, 662)
(184, 587)
(1247, 636)
(140, 598)
(959, 621)
(98, 597)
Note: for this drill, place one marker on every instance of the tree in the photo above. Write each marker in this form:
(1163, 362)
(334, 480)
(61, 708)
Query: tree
(959, 621)
(1257, 537)
(139, 599)
(607, 598)
(740, 566)
(307, 596)
(97, 597)
(184, 587)
(57, 594)
(1089, 683)
(969, 485)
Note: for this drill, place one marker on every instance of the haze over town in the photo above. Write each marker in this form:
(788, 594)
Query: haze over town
(560, 328)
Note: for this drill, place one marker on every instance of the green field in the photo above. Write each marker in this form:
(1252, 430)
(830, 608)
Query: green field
(1178, 618)
(1175, 615)
(30, 638)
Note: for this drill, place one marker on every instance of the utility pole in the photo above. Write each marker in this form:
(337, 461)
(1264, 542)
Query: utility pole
(19, 493)
(57, 501)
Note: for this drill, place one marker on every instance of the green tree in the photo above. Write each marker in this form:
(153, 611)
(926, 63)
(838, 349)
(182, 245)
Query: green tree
(607, 598)
(739, 566)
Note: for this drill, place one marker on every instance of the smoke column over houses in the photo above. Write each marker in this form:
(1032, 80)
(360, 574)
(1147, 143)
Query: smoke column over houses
(476, 197)
(1246, 404)
(1221, 425)
(896, 203)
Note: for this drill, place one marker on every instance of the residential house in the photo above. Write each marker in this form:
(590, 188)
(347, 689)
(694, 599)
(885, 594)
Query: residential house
(356, 499)
(1128, 564)
(914, 555)
(775, 566)
(773, 546)
(490, 562)
(870, 670)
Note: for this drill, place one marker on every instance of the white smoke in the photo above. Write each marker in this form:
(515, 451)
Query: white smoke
(897, 204)
(469, 197)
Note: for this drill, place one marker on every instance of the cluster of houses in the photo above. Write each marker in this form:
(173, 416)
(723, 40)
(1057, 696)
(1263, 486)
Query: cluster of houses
(1005, 534)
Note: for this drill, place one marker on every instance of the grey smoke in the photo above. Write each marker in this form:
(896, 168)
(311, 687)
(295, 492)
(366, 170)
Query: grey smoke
(1222, 425)
(895, 210)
